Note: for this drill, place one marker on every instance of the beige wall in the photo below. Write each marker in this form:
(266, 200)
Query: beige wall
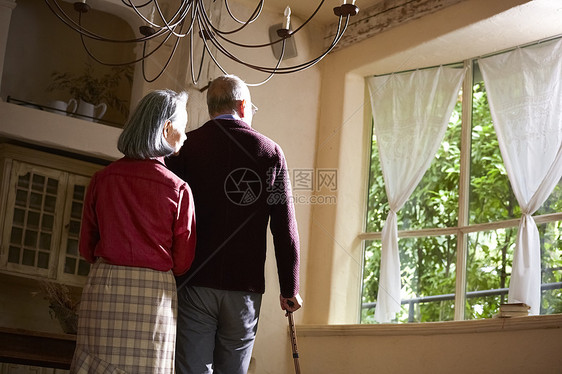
(468, 29)
(516, 345)
(6, 7)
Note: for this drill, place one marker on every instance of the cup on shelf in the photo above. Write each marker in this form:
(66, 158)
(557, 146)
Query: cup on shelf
(61, 107)
(90, 112)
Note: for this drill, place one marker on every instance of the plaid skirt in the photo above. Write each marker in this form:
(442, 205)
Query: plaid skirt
(127, 322)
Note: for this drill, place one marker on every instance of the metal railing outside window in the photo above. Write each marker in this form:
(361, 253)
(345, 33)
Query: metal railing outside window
(447, 297)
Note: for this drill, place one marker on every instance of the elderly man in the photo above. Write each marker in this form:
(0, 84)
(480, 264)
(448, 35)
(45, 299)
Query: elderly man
(240, 183)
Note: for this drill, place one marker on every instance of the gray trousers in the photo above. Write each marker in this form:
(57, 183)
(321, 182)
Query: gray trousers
(216, 330)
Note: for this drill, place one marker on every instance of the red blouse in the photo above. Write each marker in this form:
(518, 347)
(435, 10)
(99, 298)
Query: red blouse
(138, 213)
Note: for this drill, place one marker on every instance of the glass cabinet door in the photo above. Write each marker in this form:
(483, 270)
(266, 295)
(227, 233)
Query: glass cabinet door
(42, 225)
(71, 263)
(34, 211)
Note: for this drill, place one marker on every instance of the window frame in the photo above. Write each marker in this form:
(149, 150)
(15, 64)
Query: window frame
(463, 228)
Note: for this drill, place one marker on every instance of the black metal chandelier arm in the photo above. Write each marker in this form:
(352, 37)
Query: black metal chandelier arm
(295, 68)
(169, 25)
(190, 28)
(203, 12)
(220, 35)
(68, 20)
(217, 45)
(247, 45)
(192, 47)
(299, 67)
(191, 66)
(311, 16)
(233, 57)
(163, 67)
(243, 45)
(130, 4)
(188, 15)
(206, 47)
(134, 61)
(252, 17)
(158, 47)
(272, 73)
(208, 30)
(89, 53)
(166, 30)
(153, 51)
(77, 27)
(180, 14)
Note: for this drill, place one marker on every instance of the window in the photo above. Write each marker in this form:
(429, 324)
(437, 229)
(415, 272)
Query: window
(457, 231)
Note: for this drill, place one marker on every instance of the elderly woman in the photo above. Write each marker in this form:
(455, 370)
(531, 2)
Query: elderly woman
(138, 231)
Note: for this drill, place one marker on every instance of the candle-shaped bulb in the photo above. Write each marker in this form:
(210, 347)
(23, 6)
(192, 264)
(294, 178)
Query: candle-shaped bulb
(287, 14)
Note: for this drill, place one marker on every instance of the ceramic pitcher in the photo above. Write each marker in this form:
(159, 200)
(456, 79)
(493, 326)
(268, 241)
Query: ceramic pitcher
(60, 107)
(89, 111)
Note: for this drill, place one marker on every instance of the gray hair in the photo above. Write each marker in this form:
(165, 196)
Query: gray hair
(143, 134)
(224, 92)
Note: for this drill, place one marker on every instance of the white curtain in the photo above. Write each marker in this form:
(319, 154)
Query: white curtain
(525, 95)
(411, 112)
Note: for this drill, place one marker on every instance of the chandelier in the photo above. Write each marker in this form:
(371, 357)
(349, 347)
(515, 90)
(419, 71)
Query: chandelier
(190, 20)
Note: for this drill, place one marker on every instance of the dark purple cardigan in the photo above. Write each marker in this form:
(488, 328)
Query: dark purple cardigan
(240, 181)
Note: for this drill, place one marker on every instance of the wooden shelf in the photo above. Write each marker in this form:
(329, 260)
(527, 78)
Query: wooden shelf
(36, 348)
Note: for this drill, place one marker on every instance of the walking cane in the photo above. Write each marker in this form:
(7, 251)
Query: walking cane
(293, 334)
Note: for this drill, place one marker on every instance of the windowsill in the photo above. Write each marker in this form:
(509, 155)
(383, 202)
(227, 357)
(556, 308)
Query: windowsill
(553, 321)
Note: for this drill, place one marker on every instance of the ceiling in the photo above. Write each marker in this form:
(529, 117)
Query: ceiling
(304, 8)
(299, 8)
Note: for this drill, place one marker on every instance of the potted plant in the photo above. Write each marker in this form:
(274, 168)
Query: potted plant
(95, 89)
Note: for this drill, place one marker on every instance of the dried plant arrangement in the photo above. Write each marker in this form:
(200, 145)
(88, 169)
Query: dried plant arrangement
(63, 306)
